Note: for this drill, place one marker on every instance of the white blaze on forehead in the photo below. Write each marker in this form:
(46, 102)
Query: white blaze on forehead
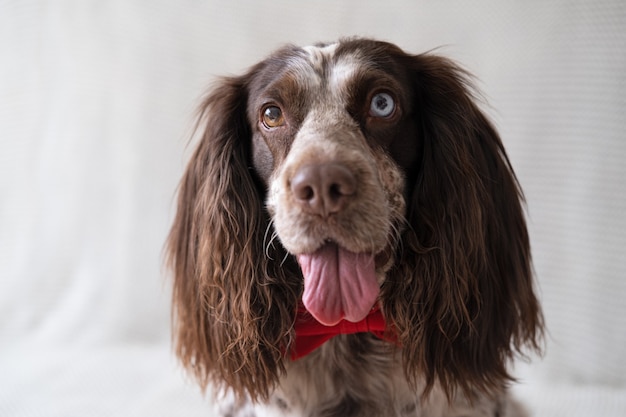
(317, 54)
(309, 68)
(340, 72)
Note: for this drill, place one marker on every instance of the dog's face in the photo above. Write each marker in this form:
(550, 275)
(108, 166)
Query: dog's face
(378, 172)
(333, 141)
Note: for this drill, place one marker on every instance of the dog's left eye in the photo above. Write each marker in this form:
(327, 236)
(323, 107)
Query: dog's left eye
(273, 117)
(382, 105)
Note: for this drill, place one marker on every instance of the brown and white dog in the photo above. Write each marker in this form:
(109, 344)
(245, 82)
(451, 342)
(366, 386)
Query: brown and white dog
(350, 241)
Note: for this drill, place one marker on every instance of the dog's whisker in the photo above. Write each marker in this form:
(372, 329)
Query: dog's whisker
(268, 243)
(284, 259)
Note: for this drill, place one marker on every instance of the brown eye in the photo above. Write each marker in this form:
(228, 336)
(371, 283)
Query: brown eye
(273, 117)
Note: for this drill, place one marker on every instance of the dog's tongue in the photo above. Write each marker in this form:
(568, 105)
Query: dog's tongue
(338, 284)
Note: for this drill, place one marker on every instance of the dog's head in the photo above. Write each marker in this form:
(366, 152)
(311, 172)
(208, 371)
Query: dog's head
(344, 175)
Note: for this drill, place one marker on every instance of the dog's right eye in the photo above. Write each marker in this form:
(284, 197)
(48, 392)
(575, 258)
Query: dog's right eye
(272, 117)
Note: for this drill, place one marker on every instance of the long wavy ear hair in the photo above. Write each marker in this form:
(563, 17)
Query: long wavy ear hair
(461, 294)
(233, 305)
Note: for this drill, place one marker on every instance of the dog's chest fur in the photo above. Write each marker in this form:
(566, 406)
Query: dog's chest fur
(350, 375)
(359, 375)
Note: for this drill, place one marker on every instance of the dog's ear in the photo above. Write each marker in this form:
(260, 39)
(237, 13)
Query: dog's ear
(461, 294)
(233, 309)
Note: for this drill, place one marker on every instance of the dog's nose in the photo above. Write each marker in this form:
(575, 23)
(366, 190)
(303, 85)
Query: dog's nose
(323, 189)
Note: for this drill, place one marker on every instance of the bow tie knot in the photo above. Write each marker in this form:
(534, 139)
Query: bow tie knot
(311, 334)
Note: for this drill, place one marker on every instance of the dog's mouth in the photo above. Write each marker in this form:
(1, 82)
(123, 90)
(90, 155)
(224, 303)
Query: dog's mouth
(338, 284)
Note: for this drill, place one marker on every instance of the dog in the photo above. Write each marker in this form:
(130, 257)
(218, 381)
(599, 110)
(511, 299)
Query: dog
(350, 241)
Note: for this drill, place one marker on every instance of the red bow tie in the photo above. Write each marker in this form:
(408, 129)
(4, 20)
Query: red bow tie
(311, 334)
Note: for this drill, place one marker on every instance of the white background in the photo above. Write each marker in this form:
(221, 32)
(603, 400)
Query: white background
(96, 102)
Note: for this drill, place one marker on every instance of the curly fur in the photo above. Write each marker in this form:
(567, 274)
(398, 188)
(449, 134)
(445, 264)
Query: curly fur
(453, 263)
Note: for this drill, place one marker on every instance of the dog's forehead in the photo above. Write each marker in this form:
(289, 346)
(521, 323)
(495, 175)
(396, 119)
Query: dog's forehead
(323, 73)
(326, 67)
(319, 55)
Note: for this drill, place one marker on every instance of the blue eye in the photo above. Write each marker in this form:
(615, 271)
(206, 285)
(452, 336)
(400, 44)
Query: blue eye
(382, 105)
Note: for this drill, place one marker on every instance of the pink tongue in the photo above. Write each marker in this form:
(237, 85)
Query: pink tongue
(338, 284)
